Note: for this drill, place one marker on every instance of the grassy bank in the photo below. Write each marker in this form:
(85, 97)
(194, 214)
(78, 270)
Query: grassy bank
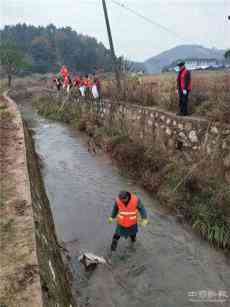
(194, 190)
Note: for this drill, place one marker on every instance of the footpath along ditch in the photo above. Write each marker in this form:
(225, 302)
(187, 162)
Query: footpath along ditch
(32, 273)
(170, 266)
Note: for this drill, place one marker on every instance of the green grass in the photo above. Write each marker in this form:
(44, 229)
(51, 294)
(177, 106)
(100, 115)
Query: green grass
(2, 107)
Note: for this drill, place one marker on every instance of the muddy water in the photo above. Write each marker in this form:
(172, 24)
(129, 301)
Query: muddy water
(168, 263)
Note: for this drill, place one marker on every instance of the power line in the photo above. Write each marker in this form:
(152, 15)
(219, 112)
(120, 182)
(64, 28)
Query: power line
(151, 21)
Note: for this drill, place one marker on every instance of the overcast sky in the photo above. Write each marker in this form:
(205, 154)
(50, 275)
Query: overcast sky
(193, 21)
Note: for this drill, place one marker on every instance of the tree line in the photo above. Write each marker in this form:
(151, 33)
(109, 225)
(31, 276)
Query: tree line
(29, 49)
(45, 49)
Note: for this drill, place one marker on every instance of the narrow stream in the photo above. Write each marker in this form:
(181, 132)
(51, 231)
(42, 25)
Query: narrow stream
(169, 263)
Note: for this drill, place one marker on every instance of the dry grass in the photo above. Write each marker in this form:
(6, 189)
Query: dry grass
(210, 94)
(196, 190)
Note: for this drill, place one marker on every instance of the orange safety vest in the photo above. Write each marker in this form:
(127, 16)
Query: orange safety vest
(66, 81)
(64, 71)
(87, 83)
(127, 215)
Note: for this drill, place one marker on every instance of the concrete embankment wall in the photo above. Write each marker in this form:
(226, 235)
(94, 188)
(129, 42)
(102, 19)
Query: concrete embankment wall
(54, 277)
(150, 126)
(33, 272)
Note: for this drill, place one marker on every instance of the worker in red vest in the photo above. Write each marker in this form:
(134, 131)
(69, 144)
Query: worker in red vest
(88, 86)
(67, 83)
(125, 210)
(98, 85)
(183, 88)
(64, 71)
(77, 82)
(87, 82)
(57, 82)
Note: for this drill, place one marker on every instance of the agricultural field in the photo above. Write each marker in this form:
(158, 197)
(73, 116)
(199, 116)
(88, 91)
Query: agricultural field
(210, 95)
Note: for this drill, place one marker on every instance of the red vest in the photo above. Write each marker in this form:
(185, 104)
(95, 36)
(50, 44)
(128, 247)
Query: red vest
(77, 81)
(127, 215)
(87, 83)
(64, 71)
(181, 77)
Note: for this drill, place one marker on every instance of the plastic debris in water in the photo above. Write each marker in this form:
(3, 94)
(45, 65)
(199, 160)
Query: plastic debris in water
(91, 261)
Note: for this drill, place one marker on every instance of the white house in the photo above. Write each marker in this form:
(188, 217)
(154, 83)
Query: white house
(200, 63)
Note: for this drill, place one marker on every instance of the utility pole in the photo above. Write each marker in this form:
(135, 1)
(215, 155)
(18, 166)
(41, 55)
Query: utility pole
(116, 69)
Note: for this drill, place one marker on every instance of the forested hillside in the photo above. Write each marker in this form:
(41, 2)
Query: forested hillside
(47, 48)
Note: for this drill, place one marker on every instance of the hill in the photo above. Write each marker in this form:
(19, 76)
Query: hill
(155, 64)
(47, 48)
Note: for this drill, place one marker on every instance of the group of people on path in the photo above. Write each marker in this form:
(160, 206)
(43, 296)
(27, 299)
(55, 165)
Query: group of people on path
(90, 86)
(86, 86)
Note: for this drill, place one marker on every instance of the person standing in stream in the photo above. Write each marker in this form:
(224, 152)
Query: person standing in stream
(125, 210)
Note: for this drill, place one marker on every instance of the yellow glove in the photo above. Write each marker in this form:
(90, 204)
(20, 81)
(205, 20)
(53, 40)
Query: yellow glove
(110, 220)
(144, 222)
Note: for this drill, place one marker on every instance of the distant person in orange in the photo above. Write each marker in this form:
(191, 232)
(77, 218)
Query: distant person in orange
(82, 86)
(98, 85)
(57, 82)
(88, 86)
(77, 82)
(64, 71)
(87, 81)
(67, 84)
(77, 85)
(183, 88)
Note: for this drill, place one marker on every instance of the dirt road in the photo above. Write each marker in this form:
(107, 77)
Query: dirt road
(19, 273)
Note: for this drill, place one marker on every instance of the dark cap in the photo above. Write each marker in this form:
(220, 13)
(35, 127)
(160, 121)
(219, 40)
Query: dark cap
(124, 196)
(182, 63)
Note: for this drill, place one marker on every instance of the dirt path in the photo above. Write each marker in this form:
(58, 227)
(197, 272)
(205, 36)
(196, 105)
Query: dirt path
(20, 281)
